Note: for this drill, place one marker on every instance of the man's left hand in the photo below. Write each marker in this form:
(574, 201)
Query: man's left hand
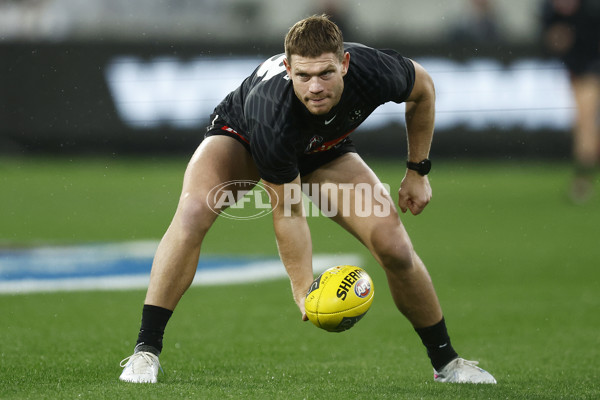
(414, 193)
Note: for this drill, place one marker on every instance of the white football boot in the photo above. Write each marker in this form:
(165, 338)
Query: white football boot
(140, 367)
(460, 370)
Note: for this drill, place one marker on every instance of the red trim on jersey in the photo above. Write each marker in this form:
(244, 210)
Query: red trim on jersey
(328, 145)
(231, 130)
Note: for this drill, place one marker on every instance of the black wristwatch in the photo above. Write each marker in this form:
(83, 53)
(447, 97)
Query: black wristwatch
(422, 167)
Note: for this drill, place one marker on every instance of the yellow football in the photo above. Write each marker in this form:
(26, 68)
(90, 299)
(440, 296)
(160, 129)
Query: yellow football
(339, 298)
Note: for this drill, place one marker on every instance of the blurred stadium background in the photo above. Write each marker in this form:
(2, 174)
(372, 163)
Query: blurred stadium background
(103, 101)
(142, 76)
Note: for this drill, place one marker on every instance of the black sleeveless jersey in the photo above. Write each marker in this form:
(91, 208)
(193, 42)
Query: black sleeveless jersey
(265, 111)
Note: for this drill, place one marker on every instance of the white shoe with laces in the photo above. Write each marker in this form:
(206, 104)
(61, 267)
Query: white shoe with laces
(460, 370)
(140, 367)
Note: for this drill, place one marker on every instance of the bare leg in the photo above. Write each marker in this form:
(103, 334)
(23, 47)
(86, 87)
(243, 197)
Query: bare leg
(386, 238)
(586, 90)
(586, 139)
(218, 159)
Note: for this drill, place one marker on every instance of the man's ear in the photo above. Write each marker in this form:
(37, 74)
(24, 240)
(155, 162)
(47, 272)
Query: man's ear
(345, 63)
(288, 67)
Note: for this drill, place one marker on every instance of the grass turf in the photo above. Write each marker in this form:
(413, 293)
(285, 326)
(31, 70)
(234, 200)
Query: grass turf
(515, 266)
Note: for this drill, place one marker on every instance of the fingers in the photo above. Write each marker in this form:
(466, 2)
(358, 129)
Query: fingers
(414, 193)
(415, 208)
(300, 304)
(403, 202)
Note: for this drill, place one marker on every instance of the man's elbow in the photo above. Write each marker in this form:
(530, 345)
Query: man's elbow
(424, 88)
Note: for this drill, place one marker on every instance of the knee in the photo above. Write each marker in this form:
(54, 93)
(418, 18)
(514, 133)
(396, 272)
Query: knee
(393, 250)
(193, 219)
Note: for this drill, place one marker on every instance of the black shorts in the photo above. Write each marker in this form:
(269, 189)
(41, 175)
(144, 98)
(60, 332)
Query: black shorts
(307, 163)
(580, 66)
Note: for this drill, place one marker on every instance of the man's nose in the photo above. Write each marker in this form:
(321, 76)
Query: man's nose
(315, 86)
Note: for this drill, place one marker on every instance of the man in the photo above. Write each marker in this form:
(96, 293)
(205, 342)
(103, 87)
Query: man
(288, 124)
(572, 33)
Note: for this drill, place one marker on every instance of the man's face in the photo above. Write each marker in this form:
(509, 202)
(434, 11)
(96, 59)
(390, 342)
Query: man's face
(318, 82)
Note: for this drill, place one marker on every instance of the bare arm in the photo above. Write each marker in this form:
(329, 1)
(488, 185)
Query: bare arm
(415, 191)
(293, 238)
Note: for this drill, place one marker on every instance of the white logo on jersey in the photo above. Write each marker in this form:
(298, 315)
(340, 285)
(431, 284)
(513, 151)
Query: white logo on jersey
(273, 66)
(327, 122)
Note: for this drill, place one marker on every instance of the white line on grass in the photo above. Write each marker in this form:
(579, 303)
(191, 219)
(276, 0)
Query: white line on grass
(119, 266)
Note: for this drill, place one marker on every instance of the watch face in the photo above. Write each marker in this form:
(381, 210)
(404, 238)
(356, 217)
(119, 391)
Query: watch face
(424, 167)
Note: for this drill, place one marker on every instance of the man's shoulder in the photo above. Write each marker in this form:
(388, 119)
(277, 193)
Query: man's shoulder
(379, 75)
(269, 96)
(364, 50)
(269, 103)
(269, 82)
(369, 56)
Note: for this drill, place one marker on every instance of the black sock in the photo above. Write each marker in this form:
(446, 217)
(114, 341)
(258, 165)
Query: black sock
(437, 342)
(154, 321)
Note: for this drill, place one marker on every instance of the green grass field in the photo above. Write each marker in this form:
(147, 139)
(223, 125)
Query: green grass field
(515, 266)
